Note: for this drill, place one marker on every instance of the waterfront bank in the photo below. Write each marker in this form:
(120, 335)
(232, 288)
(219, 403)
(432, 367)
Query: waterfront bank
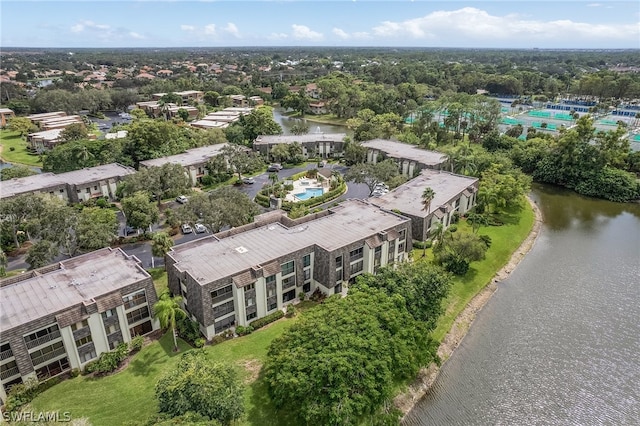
(427, 376)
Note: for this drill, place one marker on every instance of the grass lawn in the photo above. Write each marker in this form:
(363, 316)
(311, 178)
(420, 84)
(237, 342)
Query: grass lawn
(19, 155)
(129, 395)
(505, 240)
(159, 277)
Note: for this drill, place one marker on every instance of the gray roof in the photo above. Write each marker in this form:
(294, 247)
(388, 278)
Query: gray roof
(189, 157)
(210, 259)
(309, 137)
(43, 181)
(405, 151)
(75, 281)
(408, 197)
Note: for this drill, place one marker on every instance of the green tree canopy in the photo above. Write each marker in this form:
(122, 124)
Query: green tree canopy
(16, 171)
(140, 211)
(457, 250)
(372, 174)
(201, 386)
(96, 228)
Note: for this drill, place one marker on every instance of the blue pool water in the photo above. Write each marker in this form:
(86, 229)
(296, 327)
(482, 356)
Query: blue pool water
(308, 193)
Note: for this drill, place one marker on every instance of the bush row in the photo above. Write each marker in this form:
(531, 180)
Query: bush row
(24, 393)
(110, 361)
(261, 322)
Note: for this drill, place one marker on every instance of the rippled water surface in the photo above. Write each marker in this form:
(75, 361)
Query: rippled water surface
(559, 342)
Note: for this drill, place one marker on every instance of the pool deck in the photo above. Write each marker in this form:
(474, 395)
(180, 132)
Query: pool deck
(301, 185)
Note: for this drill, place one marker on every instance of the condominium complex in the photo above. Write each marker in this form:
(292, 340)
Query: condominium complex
(411, 159)
(452, 194)
(234, 277)
(73, 187)
(64, 315)
(325, 145)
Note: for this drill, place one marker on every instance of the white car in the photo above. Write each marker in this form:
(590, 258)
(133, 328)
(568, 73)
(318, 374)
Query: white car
(199, 228)
(186, 229)
(181, 199)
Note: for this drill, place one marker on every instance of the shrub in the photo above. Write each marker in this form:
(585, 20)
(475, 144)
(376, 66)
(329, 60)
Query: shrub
(227, 334)
(318, 296)
(188, 330)
(455, 217)
(108, 361)
(422, 244)
(217, 339)
(291, 311)
(261, 322)
(75, 372)
(12, 148)
(453, 228)
(486, 240)
(24, 393)
(200, 342)
(136, 344)
(102, 203)
(243, 331)
(302, 296)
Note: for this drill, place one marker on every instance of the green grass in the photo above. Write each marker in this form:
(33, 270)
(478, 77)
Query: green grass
(505, 240)
(129, 395)
(19, 155)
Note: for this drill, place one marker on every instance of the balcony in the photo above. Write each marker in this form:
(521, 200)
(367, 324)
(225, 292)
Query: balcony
(48, 356)
(13, 371)
(42, 340)
(6, 354)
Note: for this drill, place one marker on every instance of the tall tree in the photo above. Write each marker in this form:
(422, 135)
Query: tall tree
(167, 310)
(161, 243)
(427, 197)
(140, 211)
(241, 160)
(372, 174)
(96, 228)
(22, 125)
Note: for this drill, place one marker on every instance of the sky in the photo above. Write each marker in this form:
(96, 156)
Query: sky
(393, 23)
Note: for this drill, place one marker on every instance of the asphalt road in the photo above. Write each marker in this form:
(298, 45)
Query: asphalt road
(142, 250)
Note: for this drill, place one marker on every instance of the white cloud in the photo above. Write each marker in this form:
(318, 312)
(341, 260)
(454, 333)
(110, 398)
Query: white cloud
(136, 35)
(88, 25)
(210, 29)
(277, 36)
(479, 25)
(187, 28)
(303, 32)
(341, 33)
(232, 29)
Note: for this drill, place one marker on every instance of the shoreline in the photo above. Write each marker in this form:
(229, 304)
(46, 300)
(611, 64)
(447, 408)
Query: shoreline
(407, 400)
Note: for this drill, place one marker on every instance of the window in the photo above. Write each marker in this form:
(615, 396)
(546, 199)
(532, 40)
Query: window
(47, 353)
(79, 325)
(134, 299)
(42, 336)
(290, 295)
(95, 188)
(356, 254)
(306, 288)
(223, 309)
(307, 274)
(114, 344)
(108, 314)
(356, 267)
(306, 261)
(339, 262)
(403, 234)
(339, 275)
(112, 328)
(88, 190)
(51, 192)
(141, 329)
(62, 191)
(289, 282)
(88, 356)
(392, 251)
(273, 306)
(52, 369)
(138, 314)
(287, 268)
(401, 247)
(222, 294)
(252, 316)
(271, 291)
(83, 341)
(249, 287)
(224, 324)
(271, 279)
(250, 302)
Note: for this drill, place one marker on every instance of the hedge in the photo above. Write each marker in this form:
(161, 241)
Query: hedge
(312, 202)
(261, 322)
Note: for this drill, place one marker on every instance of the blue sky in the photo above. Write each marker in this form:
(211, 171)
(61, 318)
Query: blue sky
(400, 23)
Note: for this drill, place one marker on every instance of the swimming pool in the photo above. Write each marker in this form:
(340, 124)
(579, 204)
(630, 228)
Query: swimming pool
(308, 193)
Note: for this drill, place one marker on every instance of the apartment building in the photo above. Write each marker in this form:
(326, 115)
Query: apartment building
(73, 187)
(410, 158)
(6, 114)
(64, 315)
(187, 96)
(453, 194)
(325, 145)
(233, 277)
(193, 160)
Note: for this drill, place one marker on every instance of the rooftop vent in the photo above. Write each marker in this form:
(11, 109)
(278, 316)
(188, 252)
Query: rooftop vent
(241, 249)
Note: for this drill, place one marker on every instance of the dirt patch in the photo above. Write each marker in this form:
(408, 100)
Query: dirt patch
(253, 367)
(406, 400)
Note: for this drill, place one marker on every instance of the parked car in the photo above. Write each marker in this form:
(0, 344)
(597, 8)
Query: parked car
(128, 230)
(181, 199)
(275, 167)
(248, 180)
(186, 229)
(199, 228)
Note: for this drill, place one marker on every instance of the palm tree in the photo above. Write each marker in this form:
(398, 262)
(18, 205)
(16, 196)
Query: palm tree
(273, 177)
(427, 197)
(167, 310)
(161, 243)
(84, 154)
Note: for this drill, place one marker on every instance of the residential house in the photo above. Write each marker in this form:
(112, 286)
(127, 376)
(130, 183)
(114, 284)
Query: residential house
(64, 315)
(233, 277)
(410, 158)
(6, 114)
(452, 194)
(75, 186)
(42, 141)
(318, 107)
(325, 145)
(193, 160)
